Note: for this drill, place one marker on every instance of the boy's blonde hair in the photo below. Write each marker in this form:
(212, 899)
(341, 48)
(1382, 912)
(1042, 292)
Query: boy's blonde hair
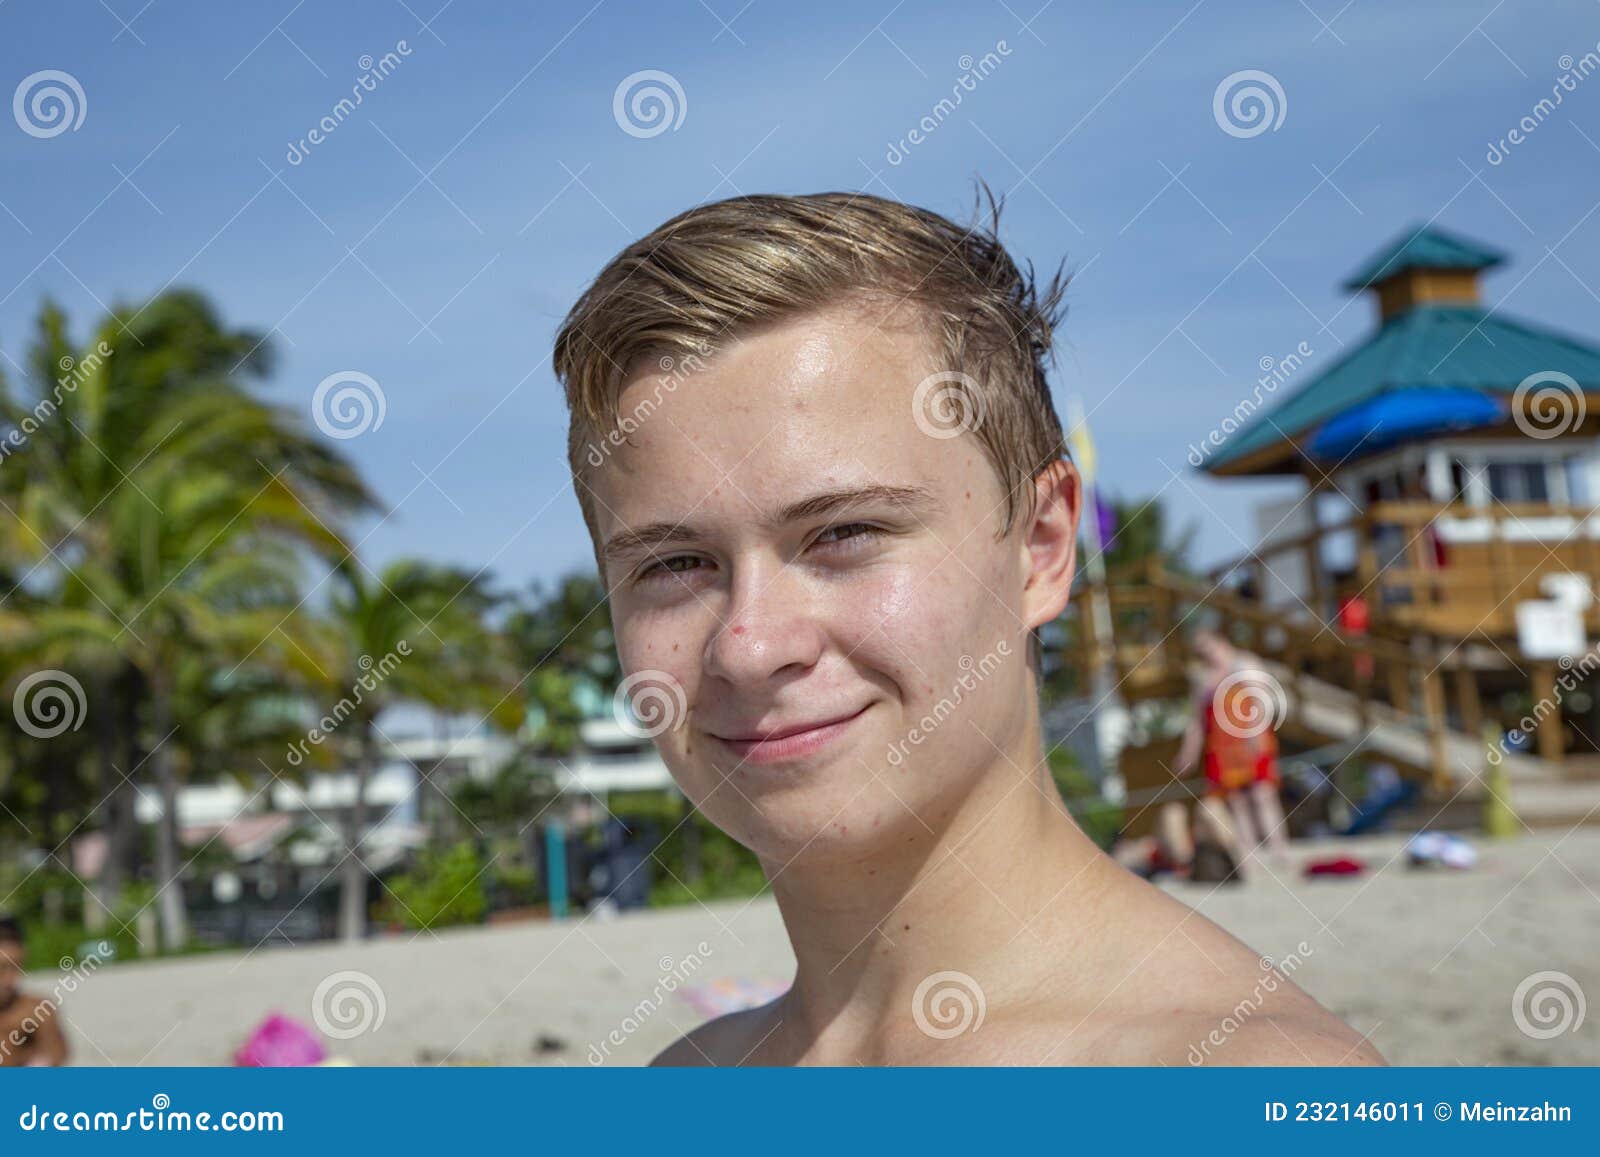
(708, 275)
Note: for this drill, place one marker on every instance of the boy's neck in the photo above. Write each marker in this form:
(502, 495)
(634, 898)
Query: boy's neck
(976, 895)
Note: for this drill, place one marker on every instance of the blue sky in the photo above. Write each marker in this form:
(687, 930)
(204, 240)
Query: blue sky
(435, 238)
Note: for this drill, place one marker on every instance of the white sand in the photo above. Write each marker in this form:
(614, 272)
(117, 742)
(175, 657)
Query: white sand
(1425, 963)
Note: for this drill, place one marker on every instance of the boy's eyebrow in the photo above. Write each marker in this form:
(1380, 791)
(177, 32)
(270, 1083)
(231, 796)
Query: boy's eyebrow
(917, 500)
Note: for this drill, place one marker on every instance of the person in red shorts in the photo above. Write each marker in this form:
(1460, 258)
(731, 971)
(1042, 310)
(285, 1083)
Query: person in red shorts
(1235, 710)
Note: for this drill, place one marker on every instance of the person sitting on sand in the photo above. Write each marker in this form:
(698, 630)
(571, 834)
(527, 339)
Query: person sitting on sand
(30, 1029)
(814, 445)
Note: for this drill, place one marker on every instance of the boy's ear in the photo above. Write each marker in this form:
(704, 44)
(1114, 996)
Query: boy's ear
(1051, 543)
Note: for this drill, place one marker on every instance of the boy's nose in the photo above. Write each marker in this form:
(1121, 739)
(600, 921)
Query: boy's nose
(771, 626)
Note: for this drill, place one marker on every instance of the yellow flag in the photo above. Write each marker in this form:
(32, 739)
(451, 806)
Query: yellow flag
(1079, 441)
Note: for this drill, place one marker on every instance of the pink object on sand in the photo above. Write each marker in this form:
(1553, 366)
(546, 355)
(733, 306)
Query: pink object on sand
(280, 1042)
(731, 994)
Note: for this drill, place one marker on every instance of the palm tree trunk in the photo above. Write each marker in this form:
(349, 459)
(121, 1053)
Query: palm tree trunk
(353, 872)
(128, 845)
(108, 884)
(174, 915)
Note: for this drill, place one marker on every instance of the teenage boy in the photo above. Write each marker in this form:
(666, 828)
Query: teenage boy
(814, 444)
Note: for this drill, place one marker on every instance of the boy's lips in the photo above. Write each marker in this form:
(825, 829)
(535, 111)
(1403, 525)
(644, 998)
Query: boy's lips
(788, 741)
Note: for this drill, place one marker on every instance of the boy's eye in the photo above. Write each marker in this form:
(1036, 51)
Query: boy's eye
(839, 533)
(666, 567)
(850, 530)
(852, 533)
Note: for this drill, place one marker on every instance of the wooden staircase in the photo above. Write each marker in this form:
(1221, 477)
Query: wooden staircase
(1410, 701)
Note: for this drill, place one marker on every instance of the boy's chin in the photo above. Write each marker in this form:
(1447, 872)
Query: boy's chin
(841, 835)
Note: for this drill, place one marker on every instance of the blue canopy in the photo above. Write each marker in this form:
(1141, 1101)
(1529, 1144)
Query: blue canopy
(1402, 416)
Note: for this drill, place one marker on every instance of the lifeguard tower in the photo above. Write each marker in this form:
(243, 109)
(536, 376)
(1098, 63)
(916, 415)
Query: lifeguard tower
(1451, 468)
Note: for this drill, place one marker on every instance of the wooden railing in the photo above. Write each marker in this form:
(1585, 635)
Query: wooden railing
(1447, 569)
(1423, 680)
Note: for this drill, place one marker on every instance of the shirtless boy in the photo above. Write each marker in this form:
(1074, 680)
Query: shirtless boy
(814, 445)
(30, 1029)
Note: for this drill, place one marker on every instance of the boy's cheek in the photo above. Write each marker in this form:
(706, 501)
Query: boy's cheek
(915, 609)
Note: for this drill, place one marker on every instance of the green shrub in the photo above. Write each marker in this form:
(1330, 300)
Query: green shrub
(444, 887)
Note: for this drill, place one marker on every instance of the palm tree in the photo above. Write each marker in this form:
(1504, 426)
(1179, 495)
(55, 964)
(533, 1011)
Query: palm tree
(168, 509)
(416, 632)
(562, 638)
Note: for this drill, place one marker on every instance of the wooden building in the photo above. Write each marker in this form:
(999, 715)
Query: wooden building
(1451, 474)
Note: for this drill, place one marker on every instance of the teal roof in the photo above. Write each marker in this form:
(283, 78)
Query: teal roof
(1427, 346)
(1424, 247)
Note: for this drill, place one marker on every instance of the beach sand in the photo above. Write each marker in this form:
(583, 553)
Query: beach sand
(1424, 962)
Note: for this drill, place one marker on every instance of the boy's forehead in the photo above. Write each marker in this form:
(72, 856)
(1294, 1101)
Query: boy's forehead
(825, 399)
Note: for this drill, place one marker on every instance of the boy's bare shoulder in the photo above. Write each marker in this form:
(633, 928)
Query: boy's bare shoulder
(726, 1040)
(1199, 1038)
(1189, 993)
